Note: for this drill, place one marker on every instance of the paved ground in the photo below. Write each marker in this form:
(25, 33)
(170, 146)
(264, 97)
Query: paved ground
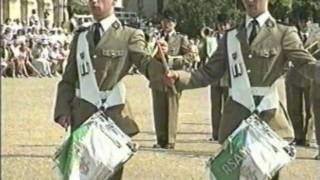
(29, 137)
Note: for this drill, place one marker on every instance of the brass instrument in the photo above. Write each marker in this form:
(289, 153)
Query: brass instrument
(313, 41)
(314, 47)
(206, 31)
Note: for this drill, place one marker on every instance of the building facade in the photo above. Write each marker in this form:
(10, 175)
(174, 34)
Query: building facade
(57, 9)
(22, 9)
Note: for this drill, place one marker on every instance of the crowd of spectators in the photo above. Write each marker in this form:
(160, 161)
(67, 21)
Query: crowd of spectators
(40, 49)
(33, 49)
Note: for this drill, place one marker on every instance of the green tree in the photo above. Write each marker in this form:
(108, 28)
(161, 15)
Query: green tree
(280, 9)
(293, 9)
(193, 15)
(78, 7)
(307, 7)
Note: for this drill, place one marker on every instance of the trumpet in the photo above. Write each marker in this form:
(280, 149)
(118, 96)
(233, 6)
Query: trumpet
(314, 48)
(206, 31)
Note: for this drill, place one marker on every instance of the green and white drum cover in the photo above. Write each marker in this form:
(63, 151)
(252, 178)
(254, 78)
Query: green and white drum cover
(252, 152)
(93, 151)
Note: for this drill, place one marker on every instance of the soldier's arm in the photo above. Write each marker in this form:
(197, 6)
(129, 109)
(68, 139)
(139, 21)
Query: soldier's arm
(66, 87)
(148, 66)
(302, 60)
(210, 73)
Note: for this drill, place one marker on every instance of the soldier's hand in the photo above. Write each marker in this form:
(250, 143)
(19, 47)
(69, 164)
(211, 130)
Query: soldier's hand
(170, 78)
(64, 121)
(162, 49)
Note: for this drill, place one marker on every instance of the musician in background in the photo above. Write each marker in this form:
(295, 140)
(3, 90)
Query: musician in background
(298, 91)
(208, 44)
(313, 46)
(165, 102)
(219, 89)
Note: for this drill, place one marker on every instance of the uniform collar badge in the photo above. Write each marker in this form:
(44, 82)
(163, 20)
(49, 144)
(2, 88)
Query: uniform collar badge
(269, 23)
(235, 55)
(82, 55)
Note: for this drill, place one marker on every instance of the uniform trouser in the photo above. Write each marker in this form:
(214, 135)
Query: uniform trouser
(316, 112)
(315, 101)
(276, 176)
(218, 96)
(298, 102)
(117, 175)
(165, 112)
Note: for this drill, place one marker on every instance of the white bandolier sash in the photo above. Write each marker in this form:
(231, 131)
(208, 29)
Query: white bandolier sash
(98, 148)
(89, 89)
(241, 90)
(253, 150)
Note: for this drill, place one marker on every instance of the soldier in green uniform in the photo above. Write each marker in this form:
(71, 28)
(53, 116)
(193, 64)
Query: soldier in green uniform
(314, 48)
(165, 102)
(315, 103)
(218, 92)
(219, 89)
(298, 93)
(266, 48)
(218, 97)
(112, 49)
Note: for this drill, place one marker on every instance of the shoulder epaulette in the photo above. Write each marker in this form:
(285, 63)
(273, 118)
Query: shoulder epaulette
(116, 24)
(282, 23)
(180, 34)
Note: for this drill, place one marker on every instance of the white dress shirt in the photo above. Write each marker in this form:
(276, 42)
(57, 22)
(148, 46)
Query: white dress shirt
(262, 18)
(106, 23)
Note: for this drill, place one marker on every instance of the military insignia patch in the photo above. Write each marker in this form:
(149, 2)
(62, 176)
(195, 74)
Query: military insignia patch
(82, 55)
(235, 55)
(269, 23)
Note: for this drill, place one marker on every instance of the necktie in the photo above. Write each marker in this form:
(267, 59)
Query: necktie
(166, 38)
(97, 33)
(304, 39)
(254, 30)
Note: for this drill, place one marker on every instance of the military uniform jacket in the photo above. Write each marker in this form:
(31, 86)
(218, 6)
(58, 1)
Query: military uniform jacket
(118, 49)
(266, 60)
(177, 46)
(294, 77)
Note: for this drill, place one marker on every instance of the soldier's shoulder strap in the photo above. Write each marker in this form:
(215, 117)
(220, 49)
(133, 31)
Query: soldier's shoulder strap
(117, 25)
(286, 26)
(282, 23)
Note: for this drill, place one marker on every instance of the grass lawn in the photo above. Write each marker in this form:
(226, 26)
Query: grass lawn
(29, 137)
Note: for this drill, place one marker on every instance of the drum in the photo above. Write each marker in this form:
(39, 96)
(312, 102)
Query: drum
(252, 152)
(95, 150)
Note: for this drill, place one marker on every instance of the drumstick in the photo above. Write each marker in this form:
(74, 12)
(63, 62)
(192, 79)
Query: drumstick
(166, 66)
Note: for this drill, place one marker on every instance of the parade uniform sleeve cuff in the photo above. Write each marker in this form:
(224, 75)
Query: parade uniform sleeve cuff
(184, 80)
(60, 112)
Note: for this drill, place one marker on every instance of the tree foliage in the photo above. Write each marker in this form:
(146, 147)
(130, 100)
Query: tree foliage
(78, 6)
(193, 15)
(309, 8)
